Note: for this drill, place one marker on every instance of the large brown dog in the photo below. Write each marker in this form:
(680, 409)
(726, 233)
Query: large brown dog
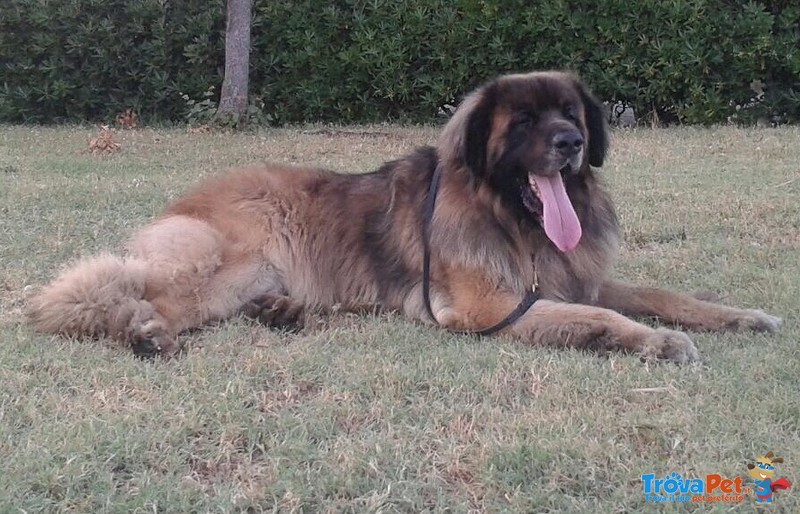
(519, 206)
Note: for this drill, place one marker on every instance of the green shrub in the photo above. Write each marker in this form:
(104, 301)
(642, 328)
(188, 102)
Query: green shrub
(693, 61)
(90, 59)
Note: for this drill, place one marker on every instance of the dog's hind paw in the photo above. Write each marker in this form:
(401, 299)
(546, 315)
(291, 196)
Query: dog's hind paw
(277, 311)
(151, 340)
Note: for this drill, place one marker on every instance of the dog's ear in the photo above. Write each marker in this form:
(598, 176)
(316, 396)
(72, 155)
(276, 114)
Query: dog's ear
(596, 126)
(464, 138)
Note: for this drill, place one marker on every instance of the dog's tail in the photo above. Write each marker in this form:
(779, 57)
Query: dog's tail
(97, 296)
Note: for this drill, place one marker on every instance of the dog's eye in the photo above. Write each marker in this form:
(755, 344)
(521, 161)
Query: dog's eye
(569, 113)
(525, 119)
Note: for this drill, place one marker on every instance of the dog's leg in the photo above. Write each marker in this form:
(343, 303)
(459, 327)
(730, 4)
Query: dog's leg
(277, 311)
(193, 277)
(548, 323)
(103, 296)
(682, 309)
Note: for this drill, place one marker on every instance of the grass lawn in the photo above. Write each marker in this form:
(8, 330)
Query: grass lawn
(376, 414)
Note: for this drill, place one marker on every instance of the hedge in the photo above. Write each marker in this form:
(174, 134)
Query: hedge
(691, 61)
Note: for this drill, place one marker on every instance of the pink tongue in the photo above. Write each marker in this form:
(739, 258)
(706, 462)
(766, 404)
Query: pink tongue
(561, 224)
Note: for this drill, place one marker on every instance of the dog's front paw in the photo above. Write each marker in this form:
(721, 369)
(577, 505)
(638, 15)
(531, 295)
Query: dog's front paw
(669, 345)
(755, 320)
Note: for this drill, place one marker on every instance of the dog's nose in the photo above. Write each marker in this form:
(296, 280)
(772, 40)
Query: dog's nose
(568, 142)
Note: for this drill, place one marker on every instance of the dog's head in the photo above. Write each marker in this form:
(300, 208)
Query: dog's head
(525, 135)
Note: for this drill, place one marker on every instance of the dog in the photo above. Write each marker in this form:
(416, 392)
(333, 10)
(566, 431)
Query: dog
(503, 224)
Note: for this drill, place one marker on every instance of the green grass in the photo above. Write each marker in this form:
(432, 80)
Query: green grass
(374, 413)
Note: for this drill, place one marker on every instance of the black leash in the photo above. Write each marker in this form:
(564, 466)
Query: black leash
(427, 222)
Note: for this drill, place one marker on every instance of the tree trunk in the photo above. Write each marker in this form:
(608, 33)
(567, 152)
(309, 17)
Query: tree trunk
(233, 97)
